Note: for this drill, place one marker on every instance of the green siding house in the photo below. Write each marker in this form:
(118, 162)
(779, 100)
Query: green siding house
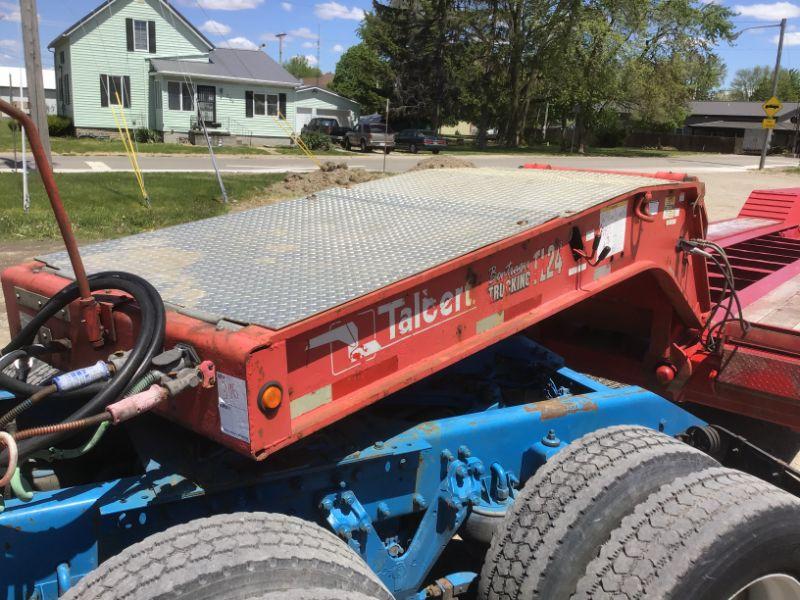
(145, 57)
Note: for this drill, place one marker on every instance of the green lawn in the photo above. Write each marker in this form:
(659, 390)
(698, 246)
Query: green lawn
(106, 205)
(67, 145)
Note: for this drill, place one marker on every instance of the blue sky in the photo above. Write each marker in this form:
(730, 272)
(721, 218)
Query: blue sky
(249, 23)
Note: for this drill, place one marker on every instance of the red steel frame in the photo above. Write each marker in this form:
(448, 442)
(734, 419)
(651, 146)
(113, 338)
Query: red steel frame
(629, 317)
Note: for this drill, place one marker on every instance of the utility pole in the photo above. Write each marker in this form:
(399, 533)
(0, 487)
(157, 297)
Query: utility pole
(319, 71)
(280, 37)
(33, 68)
(768, 137)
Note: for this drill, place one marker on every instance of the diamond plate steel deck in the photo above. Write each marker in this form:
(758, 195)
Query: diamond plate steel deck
(282, 263)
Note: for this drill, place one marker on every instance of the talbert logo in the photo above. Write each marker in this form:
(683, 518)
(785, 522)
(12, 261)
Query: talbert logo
(363, 335)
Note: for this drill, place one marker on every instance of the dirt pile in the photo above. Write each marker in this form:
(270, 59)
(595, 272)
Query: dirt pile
(329, 175)
(442, 162)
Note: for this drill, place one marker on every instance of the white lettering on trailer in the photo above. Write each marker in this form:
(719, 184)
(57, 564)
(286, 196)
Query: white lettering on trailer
(425, 310)
(551, 262)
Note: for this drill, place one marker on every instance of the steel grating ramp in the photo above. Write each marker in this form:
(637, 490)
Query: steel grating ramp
(279, 264)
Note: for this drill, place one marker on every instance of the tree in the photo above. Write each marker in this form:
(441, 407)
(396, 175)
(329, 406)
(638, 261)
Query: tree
(634, 54)
(362, 76)
(299, 67)
(788, 86)
(745, 82)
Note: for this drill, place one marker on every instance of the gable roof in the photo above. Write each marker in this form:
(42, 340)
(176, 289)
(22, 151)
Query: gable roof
(69, 30)
(230, 64)
(315, 89)
(722, 108)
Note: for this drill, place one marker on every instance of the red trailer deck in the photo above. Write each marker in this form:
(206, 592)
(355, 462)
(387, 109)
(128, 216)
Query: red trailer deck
(314, 308)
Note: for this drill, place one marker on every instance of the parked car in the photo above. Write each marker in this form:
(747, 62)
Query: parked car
(415, 140)
(328, 126)
(367, 136)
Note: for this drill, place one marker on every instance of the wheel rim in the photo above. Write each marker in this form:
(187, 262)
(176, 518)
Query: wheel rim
(413, 148)
(777, 586)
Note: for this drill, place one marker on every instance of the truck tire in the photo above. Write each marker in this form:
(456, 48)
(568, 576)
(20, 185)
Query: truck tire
(567, 510)
(236, 556)
(364, 147)
(347, 145)
(715, 534)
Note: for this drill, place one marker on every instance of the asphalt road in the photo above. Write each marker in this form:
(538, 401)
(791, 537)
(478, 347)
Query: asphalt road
(400, 161)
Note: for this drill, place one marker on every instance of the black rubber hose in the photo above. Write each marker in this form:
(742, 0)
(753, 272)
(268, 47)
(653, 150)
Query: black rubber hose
(148, 343)
(7, 359)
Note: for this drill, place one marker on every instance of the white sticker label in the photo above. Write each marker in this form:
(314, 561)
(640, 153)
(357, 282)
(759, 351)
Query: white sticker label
(670, 210)
(613, 224)
(233, 415)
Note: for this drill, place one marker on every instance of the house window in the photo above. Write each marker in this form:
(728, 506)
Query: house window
(113, 87)
(272, 105)
(259, 101)
(141, 35)
(140, 41)
(180, 96)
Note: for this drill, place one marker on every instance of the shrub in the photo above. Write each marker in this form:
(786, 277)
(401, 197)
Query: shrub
(59, 126)
(13, 125)
(316, 141)
(144, 135)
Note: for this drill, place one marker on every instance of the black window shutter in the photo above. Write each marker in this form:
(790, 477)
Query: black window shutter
(248, 104)
(282, 105)
(126, 91)
(103, 90)
(129, 33)
(151, 34)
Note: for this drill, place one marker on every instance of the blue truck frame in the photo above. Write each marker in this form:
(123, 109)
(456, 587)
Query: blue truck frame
(393, 484)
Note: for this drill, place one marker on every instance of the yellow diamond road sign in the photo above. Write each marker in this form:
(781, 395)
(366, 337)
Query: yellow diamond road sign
(772, 106)
(768, 123)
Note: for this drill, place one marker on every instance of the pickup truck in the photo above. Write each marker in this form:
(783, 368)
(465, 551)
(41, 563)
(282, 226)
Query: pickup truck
(328, 126)
(368, 136)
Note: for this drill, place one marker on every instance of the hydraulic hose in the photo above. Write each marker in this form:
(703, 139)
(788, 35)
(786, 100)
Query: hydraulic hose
(148, 343)
(8, 359)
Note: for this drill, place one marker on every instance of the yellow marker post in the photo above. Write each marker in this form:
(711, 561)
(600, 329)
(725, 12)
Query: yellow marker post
(296, 139)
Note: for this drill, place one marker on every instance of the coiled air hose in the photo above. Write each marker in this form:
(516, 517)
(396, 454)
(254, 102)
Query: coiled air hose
(148, 343)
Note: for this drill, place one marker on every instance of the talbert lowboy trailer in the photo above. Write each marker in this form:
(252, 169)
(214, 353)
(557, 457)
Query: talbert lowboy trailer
(364, 393)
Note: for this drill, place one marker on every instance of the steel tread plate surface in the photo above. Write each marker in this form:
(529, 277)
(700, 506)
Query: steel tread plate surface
(279, 264)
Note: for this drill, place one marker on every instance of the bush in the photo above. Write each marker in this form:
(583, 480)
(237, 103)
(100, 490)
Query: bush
(316, 141)
(13, 125)
(144, 135)
(59, 126)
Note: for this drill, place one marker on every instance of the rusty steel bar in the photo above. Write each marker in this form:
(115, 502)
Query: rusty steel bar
(89, 309)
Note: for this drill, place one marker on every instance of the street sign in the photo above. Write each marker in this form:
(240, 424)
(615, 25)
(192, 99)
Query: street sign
(772, 106)
(768, 123)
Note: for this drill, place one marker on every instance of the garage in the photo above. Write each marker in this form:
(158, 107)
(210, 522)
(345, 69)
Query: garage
(315, 101)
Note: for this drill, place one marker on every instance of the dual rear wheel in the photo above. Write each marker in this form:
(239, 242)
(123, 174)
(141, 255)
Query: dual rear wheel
(629, 513)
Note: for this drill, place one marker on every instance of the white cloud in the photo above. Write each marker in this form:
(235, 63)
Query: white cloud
(226, 4)
(241, 43)
(768, 12)
(213, 27)
(338, 48)
(334, 10)
(303, 32)
(287, 6)
(8, 44)
(311, 60)
(792, 38)
(9, 11)
(309, 45)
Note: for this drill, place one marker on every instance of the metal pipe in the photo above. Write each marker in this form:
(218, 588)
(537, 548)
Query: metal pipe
(89, 309)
